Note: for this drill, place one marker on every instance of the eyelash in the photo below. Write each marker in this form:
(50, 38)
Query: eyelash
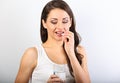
(54, 22)
(62, 22)
(65, 22)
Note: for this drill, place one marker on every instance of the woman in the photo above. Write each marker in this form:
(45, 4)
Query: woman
(60, 46)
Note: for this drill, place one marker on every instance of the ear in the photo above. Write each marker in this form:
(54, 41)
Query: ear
(44, 24)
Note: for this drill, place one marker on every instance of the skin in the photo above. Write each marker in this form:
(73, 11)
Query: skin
(57, 25)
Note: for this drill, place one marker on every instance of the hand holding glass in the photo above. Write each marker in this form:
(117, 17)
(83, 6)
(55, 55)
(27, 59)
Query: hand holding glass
(59, 70)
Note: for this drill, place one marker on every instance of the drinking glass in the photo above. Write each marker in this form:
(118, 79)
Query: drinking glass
(59, 70)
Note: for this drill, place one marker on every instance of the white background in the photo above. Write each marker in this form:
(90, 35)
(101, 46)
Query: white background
(98, 22)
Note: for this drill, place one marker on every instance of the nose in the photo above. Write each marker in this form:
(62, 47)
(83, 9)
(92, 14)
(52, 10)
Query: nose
(60, 26)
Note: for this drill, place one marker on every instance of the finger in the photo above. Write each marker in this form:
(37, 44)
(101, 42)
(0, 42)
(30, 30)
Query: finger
(65, 38)
(56, 80)
(70, 34)
(52, 79)
(68, 37)
(53, 76)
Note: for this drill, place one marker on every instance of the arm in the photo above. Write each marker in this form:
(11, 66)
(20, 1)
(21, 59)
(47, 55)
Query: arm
(80, 71)
(28, 63)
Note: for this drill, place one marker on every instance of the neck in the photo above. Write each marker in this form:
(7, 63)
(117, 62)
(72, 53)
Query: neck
(53, 44)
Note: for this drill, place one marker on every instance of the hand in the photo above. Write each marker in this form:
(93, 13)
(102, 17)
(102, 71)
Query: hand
(69, 42)
(54, 79)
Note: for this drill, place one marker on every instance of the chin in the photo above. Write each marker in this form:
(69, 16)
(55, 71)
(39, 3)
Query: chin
(59, 39)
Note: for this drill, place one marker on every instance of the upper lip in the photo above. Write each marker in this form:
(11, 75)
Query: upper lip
(59, 32)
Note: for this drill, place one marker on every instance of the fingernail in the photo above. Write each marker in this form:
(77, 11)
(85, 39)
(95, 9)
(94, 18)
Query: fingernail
(62, 34)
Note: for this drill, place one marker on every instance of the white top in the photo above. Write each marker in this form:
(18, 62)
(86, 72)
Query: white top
(45, 69)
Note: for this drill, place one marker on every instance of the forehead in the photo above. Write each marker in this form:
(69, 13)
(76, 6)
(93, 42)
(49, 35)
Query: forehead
(58, 13)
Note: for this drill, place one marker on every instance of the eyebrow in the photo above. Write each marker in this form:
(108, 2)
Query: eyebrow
(66, 18)
(53, 18)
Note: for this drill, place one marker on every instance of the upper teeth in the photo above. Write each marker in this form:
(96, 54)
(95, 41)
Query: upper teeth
(59, 32)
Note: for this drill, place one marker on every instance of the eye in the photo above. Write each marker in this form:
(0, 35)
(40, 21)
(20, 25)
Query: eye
(53, 22)
(65, 21)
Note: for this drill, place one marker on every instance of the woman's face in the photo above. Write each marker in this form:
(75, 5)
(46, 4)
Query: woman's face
(57, 23)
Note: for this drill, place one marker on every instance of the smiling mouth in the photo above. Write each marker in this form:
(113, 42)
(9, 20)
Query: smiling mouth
(60, 33)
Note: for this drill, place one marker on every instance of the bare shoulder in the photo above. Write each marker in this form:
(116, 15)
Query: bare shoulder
(30, 56)
(32, 52)
(81, 50)
(27, 64)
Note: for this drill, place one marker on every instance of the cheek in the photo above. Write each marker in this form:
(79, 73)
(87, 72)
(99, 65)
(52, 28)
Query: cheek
(67, 27)
(50, 26)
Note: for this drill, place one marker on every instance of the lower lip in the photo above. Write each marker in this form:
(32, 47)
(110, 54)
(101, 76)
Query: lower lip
(59, 35)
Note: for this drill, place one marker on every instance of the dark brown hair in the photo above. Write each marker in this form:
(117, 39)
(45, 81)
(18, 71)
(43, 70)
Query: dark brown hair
(44, 35)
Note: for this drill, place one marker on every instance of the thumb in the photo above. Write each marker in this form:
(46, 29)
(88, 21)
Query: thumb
(65, 40)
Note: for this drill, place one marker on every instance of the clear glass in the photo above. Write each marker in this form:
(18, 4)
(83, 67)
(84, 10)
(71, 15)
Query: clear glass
(59, 70)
